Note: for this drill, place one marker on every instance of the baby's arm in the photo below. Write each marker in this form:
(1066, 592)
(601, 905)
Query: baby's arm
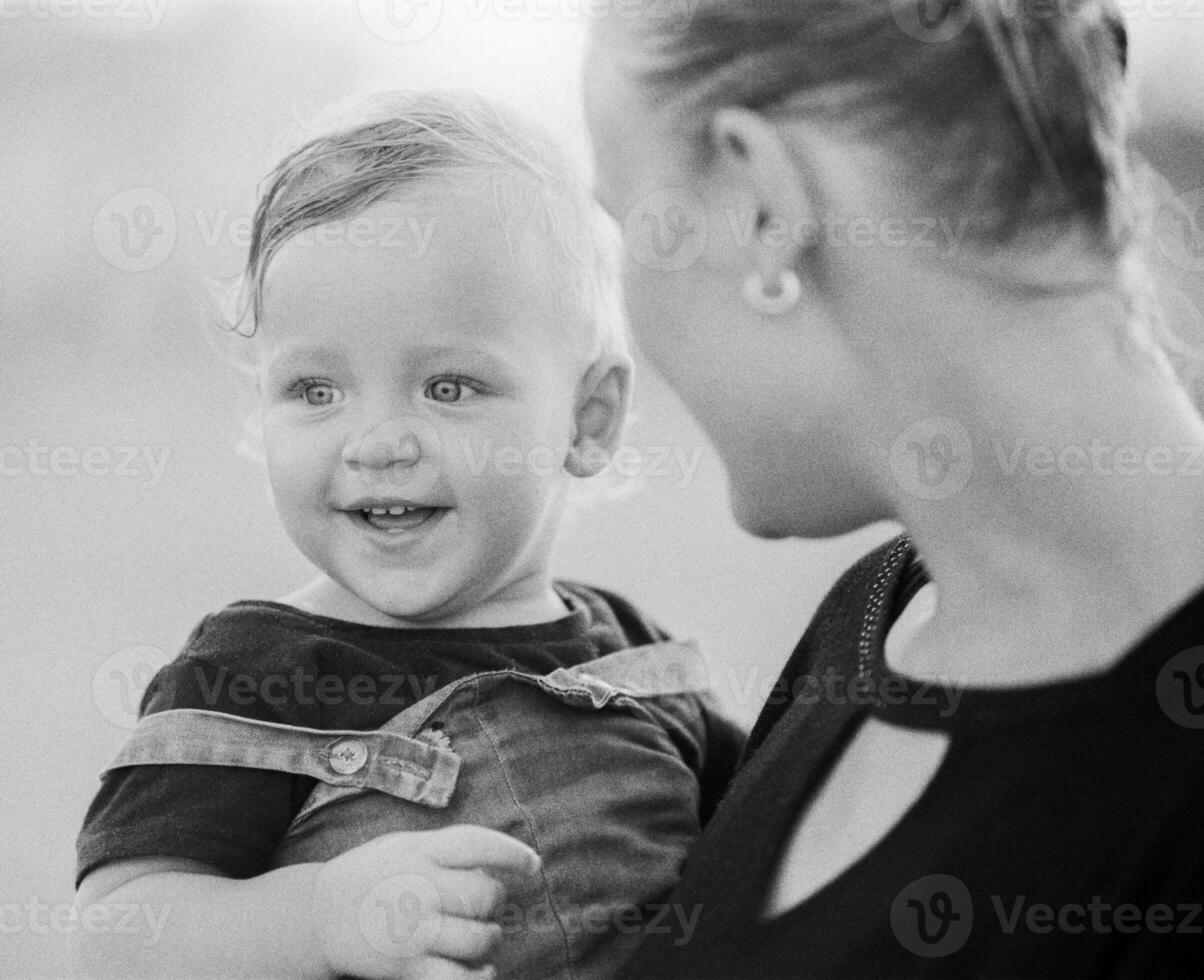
(210, 924)
(409, 904)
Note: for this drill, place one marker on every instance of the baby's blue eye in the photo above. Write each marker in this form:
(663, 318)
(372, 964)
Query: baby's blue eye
(449, 390)
(318, 394)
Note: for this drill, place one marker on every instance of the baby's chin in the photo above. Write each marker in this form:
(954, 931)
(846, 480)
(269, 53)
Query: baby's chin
(432, 607)
(411, 611)
(355, 598)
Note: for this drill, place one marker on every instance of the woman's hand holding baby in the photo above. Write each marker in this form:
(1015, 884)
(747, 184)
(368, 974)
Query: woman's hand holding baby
(417, 904)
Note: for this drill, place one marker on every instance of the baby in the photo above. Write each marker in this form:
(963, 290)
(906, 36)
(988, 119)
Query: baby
(434, 760)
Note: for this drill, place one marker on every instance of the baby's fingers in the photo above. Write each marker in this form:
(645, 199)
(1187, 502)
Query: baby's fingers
(437, 968)
(469, 894)
(410, 916)
(466, 940)
(466, 846)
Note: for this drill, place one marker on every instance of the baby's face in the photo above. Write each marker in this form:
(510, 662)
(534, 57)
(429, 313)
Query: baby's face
(417, 395)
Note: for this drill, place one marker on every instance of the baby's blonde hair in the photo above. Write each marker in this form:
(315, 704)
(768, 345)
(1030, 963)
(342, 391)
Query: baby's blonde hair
(362, 150)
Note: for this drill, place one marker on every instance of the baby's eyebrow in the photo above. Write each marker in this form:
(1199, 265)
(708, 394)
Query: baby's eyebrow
(287, 361)
(480, 358)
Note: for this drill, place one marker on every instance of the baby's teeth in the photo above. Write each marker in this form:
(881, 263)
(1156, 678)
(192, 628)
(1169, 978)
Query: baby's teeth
(382, 511)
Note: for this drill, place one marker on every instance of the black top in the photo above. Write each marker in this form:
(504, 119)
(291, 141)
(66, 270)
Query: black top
(1059, 837)
(272, 662)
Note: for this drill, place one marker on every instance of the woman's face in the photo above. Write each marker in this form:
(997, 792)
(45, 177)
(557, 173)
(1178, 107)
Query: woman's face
(769, 394)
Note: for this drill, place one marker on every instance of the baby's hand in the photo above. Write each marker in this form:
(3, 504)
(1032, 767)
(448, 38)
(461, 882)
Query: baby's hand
(417, 904)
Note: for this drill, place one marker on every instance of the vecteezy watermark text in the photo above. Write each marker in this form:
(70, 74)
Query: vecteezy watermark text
(377, 230)
(934, 916)
(145, 13)
(934, 459)
(651, 919)
(407, 21)
(751, 686)
(63, 918)
(36, 458)
(1097, 458)
(913, 231)
(302, 687)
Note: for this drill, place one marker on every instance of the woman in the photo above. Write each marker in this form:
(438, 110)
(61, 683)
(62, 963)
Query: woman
(886, 255)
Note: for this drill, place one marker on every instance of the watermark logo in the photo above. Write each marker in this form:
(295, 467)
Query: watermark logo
(1179, 228)
(135, 231)
(400, 916)
(1180, 688)
(401, 21)
(666, 230)
(931, 21)
(120, 682)
(933, 916)
(933, 458)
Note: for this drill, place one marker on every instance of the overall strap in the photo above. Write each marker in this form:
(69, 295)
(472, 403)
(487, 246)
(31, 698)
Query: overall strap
(404, 767)
(649, 671)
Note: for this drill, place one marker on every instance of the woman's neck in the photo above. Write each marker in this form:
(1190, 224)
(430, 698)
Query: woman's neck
(1079, 522)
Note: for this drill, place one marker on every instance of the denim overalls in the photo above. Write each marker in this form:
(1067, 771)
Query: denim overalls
(594, 766)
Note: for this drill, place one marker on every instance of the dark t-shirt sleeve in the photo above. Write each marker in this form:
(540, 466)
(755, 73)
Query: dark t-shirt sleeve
(225, 816)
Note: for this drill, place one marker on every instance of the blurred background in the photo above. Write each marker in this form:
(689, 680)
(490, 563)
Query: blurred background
(132, 136)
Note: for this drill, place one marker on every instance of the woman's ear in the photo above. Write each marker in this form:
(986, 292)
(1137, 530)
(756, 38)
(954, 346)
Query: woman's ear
(600, 415)
(776, 186)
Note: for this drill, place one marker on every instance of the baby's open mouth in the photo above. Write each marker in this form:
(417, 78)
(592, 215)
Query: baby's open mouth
(397, 519)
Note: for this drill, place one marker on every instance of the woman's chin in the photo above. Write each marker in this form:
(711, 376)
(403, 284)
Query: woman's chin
(775, 517)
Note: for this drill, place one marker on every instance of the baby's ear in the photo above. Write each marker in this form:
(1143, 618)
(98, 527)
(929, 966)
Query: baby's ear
(601, 412)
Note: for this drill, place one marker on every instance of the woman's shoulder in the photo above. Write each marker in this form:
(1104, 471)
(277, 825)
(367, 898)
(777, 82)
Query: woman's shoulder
(853, 616)
(859, 607)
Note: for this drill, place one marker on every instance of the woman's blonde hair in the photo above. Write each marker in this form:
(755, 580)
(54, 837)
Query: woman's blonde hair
(1006, 110)
(1010, 113)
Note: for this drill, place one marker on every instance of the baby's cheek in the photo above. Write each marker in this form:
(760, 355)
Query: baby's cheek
(284, 462)
(296, 473)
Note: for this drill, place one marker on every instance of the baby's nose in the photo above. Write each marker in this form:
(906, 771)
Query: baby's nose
(387, 444)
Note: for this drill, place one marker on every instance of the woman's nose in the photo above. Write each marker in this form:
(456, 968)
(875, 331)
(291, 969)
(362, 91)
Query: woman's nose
(394, 442)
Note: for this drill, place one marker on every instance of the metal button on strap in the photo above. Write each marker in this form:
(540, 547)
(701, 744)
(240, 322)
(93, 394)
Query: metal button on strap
(348, 755)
